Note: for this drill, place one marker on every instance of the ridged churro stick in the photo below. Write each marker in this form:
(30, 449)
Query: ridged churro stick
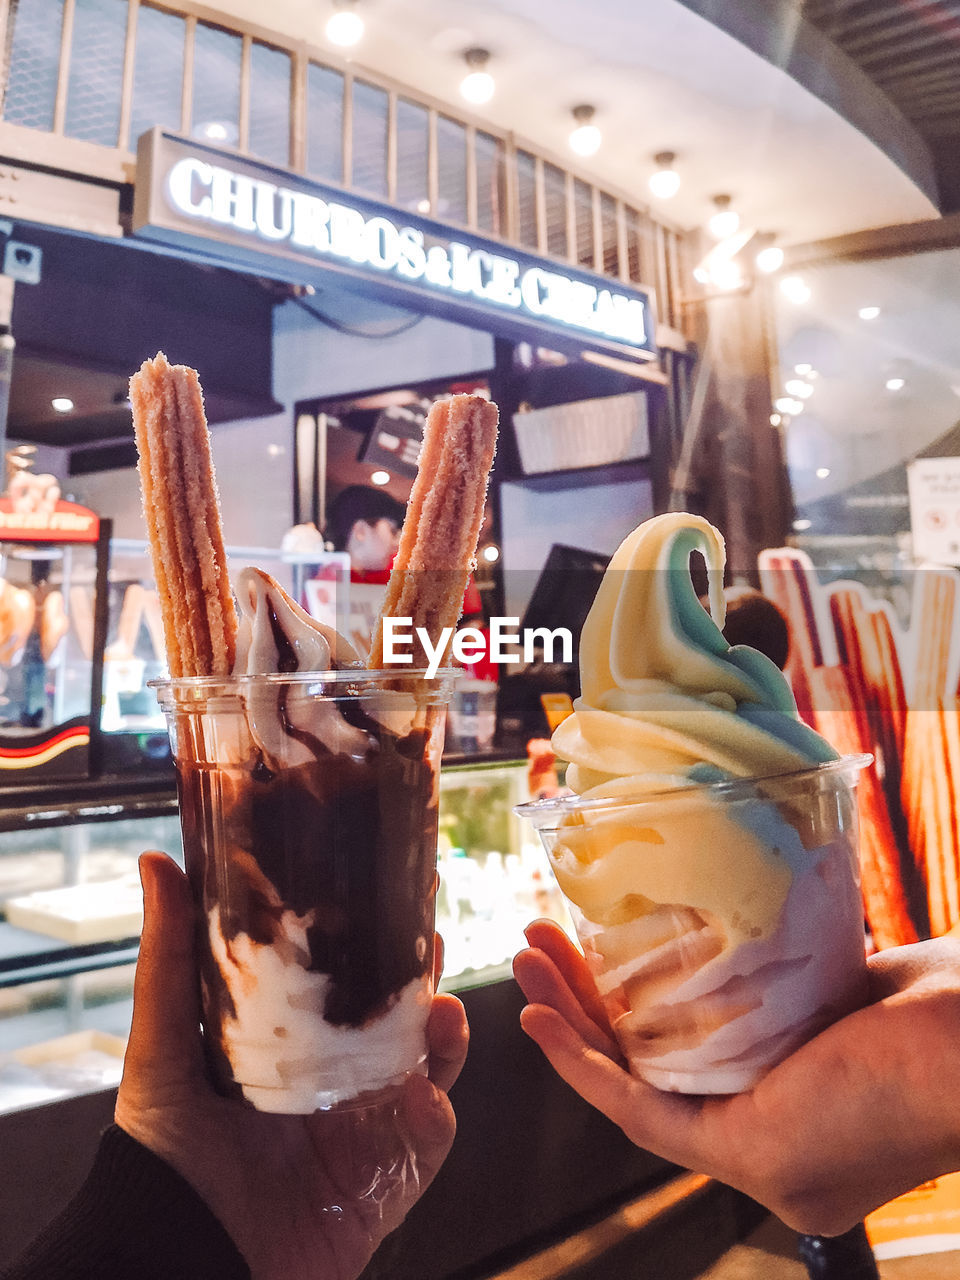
(182, 512)
(438, 542)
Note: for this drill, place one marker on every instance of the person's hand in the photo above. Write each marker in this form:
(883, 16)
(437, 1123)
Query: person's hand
(867, 1110)
(301, 1196)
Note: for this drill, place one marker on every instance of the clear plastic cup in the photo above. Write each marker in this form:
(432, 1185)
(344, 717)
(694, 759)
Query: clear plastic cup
(308, 806)
(722, 922)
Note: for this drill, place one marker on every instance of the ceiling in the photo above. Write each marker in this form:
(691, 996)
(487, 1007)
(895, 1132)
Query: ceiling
(911, 50)
(662, 77)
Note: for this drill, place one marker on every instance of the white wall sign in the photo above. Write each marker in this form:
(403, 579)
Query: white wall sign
(185, 187)
(934, 485)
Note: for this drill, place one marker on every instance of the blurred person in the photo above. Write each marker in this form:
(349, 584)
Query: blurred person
(188, 1185)
(755, 620)
(366, 522)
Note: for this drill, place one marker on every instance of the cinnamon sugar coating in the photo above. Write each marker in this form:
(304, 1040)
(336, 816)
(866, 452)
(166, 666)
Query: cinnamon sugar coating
(182, 511)
(438, 541)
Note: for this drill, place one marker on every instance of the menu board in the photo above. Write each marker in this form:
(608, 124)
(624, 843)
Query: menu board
(934, 488)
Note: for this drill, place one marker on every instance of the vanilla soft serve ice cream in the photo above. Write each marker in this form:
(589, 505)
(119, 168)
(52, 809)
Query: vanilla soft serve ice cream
(709, 855)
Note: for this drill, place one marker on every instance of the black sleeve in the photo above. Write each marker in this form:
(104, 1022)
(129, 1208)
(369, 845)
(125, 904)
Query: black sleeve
(135, 1218)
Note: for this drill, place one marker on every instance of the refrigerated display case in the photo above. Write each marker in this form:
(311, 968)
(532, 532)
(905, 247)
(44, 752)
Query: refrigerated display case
(71, 906)
(133, 730)
(53, 573)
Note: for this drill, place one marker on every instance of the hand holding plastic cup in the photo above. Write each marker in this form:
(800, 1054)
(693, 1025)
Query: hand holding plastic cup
(722, 922)
(308, 807)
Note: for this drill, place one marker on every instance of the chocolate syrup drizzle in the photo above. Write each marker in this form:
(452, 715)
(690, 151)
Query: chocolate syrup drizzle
(351, 839)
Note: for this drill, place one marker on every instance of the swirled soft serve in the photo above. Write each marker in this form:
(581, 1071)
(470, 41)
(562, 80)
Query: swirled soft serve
(709, 857)
(661, 690)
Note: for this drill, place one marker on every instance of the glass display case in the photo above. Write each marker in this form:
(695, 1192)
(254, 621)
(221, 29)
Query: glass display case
(494, 875)
(53, 572)
(134, 733)
(71, 916)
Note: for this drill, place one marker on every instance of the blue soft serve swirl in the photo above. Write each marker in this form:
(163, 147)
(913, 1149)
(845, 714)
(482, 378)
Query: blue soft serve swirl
(665, 701)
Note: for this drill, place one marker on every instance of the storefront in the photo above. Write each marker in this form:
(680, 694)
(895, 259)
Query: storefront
(313, 309)
(344, 255)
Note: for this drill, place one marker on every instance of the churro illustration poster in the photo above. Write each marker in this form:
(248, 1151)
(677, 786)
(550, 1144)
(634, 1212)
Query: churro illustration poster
(870, 682)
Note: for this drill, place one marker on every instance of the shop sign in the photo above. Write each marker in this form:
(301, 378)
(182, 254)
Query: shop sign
(186, 190)
(934, 486)
(61, 522)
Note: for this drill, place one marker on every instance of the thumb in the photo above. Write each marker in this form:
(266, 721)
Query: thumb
(671, 1125)
(165, 1046)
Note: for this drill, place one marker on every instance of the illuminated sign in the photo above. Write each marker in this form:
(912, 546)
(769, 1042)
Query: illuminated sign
(190, 188)
(61, 522)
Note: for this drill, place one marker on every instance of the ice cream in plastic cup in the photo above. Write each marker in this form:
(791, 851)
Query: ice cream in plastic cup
(722, 921)
(308, 806)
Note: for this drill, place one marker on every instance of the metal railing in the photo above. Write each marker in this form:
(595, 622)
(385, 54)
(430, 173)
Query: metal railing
(93, 75)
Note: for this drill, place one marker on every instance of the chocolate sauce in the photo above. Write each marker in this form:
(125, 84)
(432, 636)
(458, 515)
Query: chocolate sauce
(287, 660)
(351, 840)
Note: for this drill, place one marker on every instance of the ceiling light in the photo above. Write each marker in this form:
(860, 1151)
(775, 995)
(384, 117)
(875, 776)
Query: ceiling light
(217, 131)
(665, 181)
(775, 419)
(801, 525)
(478, 84)
(381, 477)
(726, 275)
(868, 313)
(797, 387)
(795, 288)
(491, 554)
(345, 26)
(822, 473)
(586, 137)
(787, 404)
(725, 221)
(804, 370)
(895, 384)
(720, 267)
(62, 404)
(769, 259)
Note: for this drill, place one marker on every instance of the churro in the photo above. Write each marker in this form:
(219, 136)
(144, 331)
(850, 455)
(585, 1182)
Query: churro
(182, 512)
(438, 542)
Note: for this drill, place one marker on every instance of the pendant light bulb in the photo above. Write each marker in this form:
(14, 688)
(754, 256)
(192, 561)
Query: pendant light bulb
(664, 181)
(586, 138)
(478, 85)
(345, 26)
(725, 221)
